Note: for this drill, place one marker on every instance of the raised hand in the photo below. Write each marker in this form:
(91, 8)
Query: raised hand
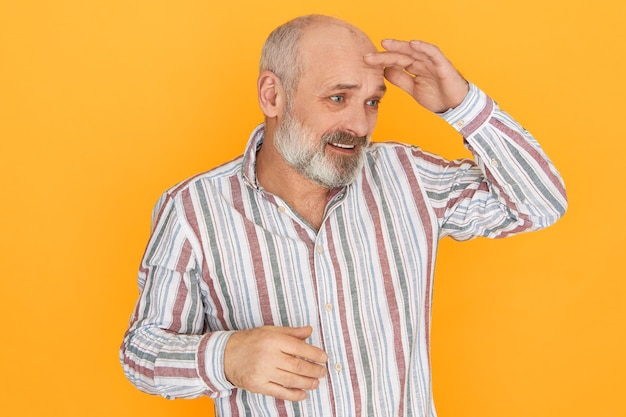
(274, 361)
(421, 70)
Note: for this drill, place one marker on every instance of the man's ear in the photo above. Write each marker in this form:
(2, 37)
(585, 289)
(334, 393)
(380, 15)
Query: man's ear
(272, 96)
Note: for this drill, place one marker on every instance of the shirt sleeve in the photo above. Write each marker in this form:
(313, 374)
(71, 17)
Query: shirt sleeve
(167, 350)
(510, 186)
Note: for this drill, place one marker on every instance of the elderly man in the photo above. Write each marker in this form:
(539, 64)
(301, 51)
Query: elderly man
(297, 279)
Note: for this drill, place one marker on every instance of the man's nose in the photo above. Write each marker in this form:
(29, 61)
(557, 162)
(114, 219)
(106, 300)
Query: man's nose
(359, 121)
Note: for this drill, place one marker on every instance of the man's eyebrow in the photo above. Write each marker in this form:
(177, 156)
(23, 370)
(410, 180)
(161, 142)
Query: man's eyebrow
(342, 86)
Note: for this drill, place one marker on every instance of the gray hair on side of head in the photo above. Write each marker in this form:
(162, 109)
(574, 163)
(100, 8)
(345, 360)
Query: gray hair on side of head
(281, 51)
(281, 54)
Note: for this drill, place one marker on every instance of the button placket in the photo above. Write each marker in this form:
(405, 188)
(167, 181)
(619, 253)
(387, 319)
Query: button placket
(327, 296)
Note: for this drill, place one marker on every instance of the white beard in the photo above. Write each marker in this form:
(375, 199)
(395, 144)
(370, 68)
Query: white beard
(306, 154)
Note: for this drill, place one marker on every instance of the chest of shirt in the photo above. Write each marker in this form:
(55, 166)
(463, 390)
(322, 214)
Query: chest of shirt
(262, 264)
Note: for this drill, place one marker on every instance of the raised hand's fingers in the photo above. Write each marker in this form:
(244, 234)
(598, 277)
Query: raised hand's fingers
(398, 77)
(414, 48)
(402, 53)
(388, 59)
(416, 65)
(409, 55)
(423, 71)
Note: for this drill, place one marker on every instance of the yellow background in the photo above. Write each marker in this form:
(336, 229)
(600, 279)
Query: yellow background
(105, 104)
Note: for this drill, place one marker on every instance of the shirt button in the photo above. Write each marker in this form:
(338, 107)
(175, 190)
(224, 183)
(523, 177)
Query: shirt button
(320, 249)
(338, 367)
(460, 123)
(329, 307)
(495, 163)
(281, 209)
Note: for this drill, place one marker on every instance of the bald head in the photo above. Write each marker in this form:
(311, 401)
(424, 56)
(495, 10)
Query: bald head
(285, 50)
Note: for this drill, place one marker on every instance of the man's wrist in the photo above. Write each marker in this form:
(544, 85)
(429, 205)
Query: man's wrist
(466, 113)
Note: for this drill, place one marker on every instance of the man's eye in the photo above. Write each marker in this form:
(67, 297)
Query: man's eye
(373, 102)
(337, 99)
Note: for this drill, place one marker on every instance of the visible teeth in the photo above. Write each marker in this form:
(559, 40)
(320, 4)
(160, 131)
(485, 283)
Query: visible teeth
(343, 146)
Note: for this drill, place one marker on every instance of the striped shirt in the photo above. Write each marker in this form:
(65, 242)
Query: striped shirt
(225, 255)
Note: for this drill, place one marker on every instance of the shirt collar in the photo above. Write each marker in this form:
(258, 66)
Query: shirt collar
(249, 157)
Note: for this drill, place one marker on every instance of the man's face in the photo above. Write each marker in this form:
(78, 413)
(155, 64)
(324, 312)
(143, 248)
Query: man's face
(334, 109)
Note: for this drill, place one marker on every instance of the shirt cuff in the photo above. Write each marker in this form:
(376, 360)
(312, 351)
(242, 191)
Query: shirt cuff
(211, 363)
(475, 109)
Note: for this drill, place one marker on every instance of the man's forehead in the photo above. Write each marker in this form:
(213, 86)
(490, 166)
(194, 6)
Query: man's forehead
(327, 75)
(339, 37)
(349, 71)
(331, 47)
(326, 23)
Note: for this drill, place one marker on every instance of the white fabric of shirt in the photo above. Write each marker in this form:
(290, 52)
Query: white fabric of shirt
(225, 255)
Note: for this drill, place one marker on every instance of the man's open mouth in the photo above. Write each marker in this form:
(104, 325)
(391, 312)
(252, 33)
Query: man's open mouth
(342, 145)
